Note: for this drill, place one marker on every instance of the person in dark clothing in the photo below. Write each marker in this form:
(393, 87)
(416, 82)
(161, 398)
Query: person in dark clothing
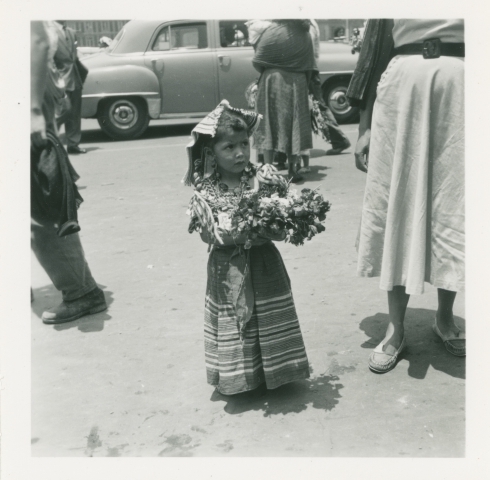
(338, 139)
(73, 74)
(58, 250)
(284, 57)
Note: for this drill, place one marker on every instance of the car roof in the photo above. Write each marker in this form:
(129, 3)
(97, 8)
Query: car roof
(136, 36)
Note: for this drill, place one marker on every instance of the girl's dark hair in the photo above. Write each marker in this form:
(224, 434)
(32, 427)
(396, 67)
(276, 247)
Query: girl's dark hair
(227, 121)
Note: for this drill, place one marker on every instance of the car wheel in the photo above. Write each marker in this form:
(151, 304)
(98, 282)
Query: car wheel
(123, 118)
(334, 96)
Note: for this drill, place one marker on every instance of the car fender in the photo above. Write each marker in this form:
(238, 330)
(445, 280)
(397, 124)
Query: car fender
(336, 60)
(120, 81)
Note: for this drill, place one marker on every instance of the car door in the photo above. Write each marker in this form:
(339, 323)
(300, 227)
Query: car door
(181, 57)
(234, 54)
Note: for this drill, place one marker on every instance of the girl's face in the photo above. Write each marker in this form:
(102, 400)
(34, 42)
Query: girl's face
(232, 152)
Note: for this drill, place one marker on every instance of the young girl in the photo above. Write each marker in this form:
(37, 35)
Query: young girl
(252, 334)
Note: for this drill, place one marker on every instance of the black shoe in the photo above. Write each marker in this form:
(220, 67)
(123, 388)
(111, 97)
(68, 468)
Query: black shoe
(76, 149)
(296, 178)
(92, 302)
(336, 151)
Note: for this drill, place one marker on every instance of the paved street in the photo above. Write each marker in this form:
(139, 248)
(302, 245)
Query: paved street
(131, 381)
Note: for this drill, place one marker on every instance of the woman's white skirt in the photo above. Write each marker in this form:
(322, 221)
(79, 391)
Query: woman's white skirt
(412, 226)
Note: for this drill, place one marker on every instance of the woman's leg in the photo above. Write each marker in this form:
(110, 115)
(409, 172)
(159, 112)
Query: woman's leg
(444, 315)
(268, 156)
(305, 156)
(294, 162)
(445, 323)
(397, 306)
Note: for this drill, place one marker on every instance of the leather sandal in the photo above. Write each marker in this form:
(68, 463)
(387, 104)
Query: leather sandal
(382, 362)
(447, 339)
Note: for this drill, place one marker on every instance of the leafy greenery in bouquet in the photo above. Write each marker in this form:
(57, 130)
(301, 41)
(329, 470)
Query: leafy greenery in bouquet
(278, 212)
(274, 211)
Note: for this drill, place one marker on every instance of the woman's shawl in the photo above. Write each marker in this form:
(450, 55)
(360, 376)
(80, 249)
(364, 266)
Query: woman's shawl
(285, 46)
(377, 38)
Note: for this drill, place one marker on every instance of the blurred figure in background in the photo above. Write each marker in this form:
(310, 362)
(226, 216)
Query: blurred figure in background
(54, 196)
(73, 73)
(337, 137)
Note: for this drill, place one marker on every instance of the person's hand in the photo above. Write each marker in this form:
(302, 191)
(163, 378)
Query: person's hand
(267, 174)
(362, 150)
(38, 130)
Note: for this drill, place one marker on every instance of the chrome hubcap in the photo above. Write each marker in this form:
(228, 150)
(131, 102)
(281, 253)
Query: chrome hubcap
(124, 114)
(338, 100)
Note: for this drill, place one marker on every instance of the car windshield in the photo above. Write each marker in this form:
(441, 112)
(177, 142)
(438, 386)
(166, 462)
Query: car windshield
(133, 37)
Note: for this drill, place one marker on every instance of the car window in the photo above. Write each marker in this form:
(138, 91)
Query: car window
(187, 36)
(116, 40)
(233, 33)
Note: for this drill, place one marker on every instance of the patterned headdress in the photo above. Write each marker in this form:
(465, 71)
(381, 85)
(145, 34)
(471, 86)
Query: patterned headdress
(207, 128)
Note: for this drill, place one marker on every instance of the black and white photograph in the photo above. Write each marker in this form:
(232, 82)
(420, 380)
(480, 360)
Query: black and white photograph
(248, 237)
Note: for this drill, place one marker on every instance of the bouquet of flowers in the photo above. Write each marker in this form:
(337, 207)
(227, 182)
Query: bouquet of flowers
(274, 211)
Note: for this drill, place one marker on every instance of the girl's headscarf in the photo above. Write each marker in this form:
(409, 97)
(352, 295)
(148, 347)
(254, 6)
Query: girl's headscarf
(207, 128)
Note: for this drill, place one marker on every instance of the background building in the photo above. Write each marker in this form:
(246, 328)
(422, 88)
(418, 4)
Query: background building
(90, 31)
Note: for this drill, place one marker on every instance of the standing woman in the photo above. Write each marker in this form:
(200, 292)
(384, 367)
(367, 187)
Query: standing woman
(409, 83)
(285, 58)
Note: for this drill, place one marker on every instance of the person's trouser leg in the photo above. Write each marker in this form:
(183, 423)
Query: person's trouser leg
(73, 122)
(63, 260)
(337, 137)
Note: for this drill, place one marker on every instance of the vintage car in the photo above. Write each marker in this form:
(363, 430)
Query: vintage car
(181, 69)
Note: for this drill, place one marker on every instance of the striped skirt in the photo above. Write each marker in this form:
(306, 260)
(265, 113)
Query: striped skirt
(272, 350)
(282, 98)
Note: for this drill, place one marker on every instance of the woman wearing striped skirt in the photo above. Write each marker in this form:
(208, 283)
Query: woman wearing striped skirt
(252, 334)
(285, 58)
(272, 349)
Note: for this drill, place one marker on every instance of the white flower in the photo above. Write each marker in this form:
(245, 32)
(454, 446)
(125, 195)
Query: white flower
(224, 220)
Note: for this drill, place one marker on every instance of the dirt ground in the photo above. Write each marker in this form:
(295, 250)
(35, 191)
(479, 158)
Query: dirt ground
(130, 382)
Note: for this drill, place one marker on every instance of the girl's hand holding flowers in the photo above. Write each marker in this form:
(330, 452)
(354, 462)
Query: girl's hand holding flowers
(252, 217)
(267, 174)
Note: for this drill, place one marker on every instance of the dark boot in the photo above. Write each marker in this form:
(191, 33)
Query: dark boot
(337, 150)
(67, 311)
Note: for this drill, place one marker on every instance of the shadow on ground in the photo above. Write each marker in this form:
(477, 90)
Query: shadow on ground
(47, 297)
(155, 131)
(424, 349)
(321, 392)
(316, 175)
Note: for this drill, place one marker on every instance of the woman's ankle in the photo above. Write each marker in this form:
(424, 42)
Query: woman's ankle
(394, 334)
(445, 321)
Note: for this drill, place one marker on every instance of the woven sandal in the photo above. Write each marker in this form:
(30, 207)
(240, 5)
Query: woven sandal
(447, 339)
(382, 362)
